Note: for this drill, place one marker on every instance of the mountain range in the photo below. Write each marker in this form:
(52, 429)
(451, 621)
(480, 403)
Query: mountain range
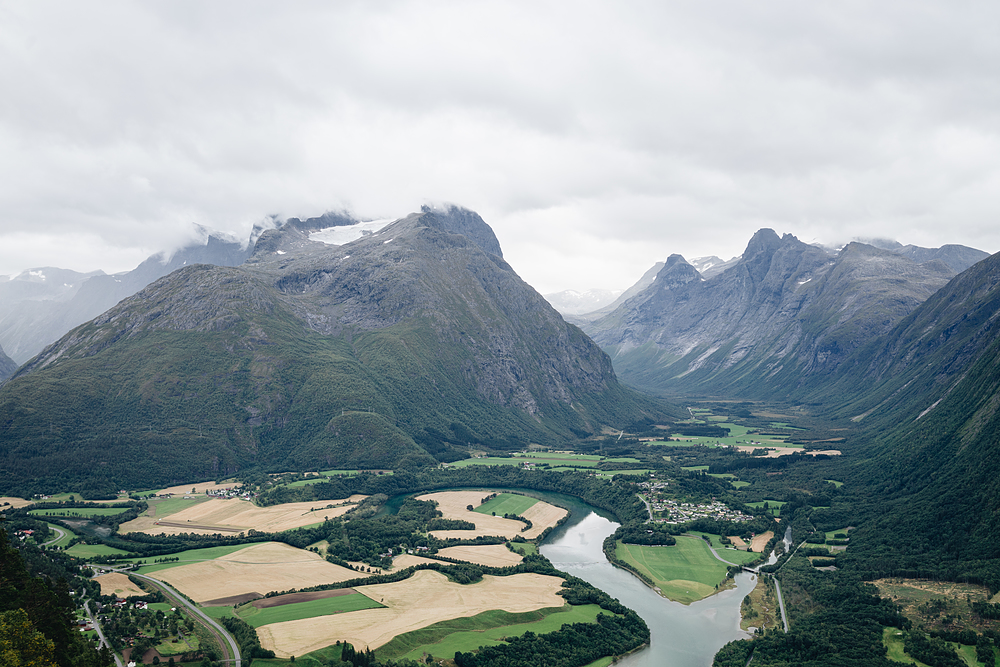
(401, 348)
(40, 305)
(779, 319)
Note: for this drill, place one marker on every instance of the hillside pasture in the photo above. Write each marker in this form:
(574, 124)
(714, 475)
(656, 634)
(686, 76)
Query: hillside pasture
(454, 505)
(10, 502)
(422, 600)
(492, 555)
(232, 516)
(684, 572)
(116, 583)
(258, 568)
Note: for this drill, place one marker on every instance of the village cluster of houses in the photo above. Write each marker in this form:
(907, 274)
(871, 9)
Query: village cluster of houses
(684, 512)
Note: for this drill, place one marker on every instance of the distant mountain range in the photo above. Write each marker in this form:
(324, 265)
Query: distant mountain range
(781, 317)
(40, 305)
(403, 347)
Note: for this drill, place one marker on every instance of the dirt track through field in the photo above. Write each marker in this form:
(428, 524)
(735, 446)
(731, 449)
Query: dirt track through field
(454, 505)
(424, 599)
(269, 566)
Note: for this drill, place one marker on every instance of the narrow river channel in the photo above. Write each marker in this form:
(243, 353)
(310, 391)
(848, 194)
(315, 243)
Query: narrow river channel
(682, 635)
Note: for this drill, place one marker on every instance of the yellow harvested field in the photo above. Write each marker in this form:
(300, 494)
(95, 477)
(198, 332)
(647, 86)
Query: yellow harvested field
(454, 505)
(262, 568)
(236, 516)
(542, 515)
(404, 561)
(424, 599)
(116, 583)
(760, 541)
(13, 503)
(738, 542)
(493, 555)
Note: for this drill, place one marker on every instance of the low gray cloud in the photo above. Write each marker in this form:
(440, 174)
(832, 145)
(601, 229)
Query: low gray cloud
(595, 138)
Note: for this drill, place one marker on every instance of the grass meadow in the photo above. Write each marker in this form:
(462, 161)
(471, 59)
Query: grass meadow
(507, 503)
(299, 610)
(85, 551)
(684, 572)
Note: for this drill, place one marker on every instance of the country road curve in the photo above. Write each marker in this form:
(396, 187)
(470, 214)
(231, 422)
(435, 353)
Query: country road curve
(62, 534)
(221, 632)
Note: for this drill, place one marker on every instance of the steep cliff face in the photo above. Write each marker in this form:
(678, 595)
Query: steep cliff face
(784, 315)
(405, 344)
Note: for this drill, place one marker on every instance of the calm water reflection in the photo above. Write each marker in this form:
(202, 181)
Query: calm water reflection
(682, 636)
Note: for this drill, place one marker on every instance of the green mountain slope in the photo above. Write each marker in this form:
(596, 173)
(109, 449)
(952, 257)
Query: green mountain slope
(928, 400)
(406, 345)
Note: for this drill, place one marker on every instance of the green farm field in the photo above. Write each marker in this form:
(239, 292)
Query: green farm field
(506, 503)
(442, 640)
(726, 551)
(80, 511)
(85, 551)
(188, 557)
(773, 505)
(685, 572)
(167, 506)
(299, 610)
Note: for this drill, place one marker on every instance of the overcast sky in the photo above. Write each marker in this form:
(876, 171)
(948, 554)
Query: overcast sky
(595, 138)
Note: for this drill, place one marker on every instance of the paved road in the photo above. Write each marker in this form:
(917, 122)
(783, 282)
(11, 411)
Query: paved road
(781, 604)
(100, 633)
(224, 636)
(62, 534)
(230, 648)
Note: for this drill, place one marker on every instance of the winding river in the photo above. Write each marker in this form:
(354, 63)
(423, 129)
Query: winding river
(681, 635)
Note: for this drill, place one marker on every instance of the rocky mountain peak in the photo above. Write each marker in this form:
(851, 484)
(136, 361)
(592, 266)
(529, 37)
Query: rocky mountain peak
(458, 220)
(676, 272)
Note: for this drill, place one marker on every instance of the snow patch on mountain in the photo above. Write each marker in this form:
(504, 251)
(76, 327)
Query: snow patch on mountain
(341, 235)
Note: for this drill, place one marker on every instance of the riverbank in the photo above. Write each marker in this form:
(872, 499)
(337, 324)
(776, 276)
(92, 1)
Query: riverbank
(681, 635)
